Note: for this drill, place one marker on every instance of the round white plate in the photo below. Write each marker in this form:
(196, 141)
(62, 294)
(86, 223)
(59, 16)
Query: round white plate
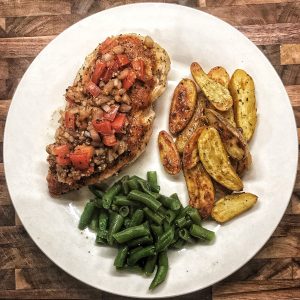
(188, 35)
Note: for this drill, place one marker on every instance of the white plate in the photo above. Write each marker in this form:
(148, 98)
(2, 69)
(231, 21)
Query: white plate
(188, 35)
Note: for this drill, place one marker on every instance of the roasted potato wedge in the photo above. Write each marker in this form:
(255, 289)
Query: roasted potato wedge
(169, 155)
(200, 189)
(241, 87)
(190, 155)
(183, 105)
(215, 160)
(232, 205)
(233, 140)
(219, 74)
(196, 122)
(215, 92)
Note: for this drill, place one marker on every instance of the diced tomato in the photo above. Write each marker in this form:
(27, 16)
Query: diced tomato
(80, 161)
(113, 65)
(93, 89)
(103, 127)
(83, 149)
(139, 67)
(69, 120)
(98, 72)
(108, 44)
(119, 122)
(107, 75)
(62, 155)
(110, 140)
(123, 60)
(129, 80)
(81, 157)
(111, 114)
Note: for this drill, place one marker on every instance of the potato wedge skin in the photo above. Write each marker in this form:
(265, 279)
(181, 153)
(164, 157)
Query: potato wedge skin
(190, 156)
(168, 153)
(233, 140)
(200, 188)
(196, 121)
(219, 74)
(215, 92)
(232, 205)
(183, 105)
(215, 160)
(241, 87)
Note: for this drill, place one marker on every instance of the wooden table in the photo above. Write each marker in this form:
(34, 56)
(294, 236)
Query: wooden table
(27, 26)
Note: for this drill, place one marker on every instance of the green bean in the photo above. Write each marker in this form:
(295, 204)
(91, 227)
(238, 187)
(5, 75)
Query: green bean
(144, 198)
(194, 215)
(122, 200)
(94, 222)
(152, 179)
(170, 216)
(183, 212)
(166, 225)
(157, 230)
(184, 234)
(165, 240)
(139, 254)
(162, 211)
(162, 270)
(114, 207)
(179, 244)
(127, 222)
(115, 224)
(133, 184)
(102, 223)
(110, 194)
(124, 211)
(121, 257)
(131, 233)
(183, 222)
(86, 216)
(170, 203)
(150, 265)
(202, 233)
(145, 187)
(124, 184)
(141, 241)
(137, 218)
(98, 202)
(98, 193)
(101, 240)
(155, 217)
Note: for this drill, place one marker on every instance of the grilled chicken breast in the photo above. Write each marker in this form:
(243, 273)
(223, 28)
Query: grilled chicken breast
(108, 118)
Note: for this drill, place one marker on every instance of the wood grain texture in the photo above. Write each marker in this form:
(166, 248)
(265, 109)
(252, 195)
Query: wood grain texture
(290, 54)
(27, 26)
(34, 7)
(23, 47)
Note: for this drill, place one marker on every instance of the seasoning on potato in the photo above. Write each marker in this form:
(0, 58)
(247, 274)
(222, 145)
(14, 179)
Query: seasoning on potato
(215, 160)
(190, 156)
(241, 87)
(182, 106)
(219, 74)
(196, 121)
(233, 140)
(200, 188)
(215, 92)
(169, 155)
(232, 205)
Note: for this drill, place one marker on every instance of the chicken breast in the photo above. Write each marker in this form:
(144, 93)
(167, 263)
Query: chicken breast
(108, 118)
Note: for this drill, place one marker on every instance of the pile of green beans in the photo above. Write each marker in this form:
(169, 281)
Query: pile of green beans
(143, 224)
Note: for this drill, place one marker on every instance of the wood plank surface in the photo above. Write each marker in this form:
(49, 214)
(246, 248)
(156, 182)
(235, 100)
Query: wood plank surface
(27, 26)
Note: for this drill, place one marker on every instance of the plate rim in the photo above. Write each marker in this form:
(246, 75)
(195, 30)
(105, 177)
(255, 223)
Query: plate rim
(122, 7)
